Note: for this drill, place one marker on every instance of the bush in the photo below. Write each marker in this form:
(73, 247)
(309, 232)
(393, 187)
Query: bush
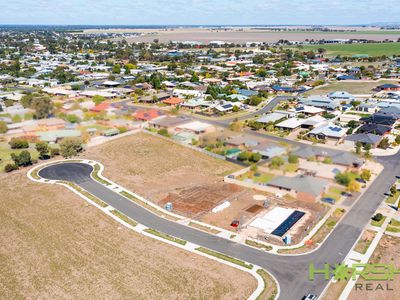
(22, 159)
(343, 178)
(54, 152)
(277, 162)
(365, 174)
(10, 167)
(255, 157)
(70, 147)
(293, 159)
(18, 143)
(163, 132)
(3, 127)
(378, 217)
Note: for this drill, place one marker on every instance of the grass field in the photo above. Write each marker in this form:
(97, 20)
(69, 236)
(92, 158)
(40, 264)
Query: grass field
(5, 152)
(353, 87)
(371, 49)
(56, 246)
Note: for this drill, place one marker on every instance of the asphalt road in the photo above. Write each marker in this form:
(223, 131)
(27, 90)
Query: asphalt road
(290, 271)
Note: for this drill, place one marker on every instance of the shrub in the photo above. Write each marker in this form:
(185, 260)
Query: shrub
(378, 217)
(343, 178)
(10, 167)
(293, 159)
(18, 143)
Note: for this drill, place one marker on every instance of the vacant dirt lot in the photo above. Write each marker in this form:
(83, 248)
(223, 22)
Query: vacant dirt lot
(154, 167)
(55, 246)
(387, 252)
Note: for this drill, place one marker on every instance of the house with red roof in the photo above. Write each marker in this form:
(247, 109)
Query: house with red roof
(148, 115)
(103, 106)
(173, 101)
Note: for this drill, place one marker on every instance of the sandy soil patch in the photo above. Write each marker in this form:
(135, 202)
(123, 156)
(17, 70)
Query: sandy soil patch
(154, 167)
(56, 246)
(387, 252)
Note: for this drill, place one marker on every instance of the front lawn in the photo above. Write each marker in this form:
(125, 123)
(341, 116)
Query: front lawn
(378, 223)
(334, 192)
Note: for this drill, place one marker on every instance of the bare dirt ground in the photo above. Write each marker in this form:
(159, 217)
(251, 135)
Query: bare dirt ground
(154, 168)
(56, 246)
(387, 252)
(195, 201)
(241, 35)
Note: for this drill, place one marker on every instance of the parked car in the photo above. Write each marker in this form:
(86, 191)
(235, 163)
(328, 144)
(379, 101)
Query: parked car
(328, 200)
(235, 223)
(310, 297)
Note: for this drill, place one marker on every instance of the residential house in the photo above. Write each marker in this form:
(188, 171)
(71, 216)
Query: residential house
(147, 115)
(374, 128)
(304, 188)
(321, 102)
(328, 131)
(388, 87)
(364, 139)
(290, 124)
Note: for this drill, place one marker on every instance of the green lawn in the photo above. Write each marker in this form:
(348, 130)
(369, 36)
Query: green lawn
(392, 198)
(371, 49)
(263, 178)
(394, 226)
(335, 193)
(378, 224)
(5, 152)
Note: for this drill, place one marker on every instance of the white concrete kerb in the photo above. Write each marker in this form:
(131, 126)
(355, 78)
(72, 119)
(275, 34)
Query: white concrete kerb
(140, 228)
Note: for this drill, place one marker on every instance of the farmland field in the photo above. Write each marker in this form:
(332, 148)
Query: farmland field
(56, 246)
(353, 87)
(372, 49)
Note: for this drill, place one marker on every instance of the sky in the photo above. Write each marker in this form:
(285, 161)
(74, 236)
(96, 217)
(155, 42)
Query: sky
(198, 12)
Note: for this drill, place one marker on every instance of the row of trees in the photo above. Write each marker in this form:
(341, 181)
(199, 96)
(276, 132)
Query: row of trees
(68, 147)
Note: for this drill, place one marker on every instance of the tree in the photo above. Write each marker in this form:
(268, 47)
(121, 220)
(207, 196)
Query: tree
(18, 143)
(22, 159)
(243, 156)
(54, 152)
(116, 69)
(277, 162)
(73, 119)
(43, 107)
(384, 143)
(70, 147)
(43, 150)
(367, 148)
(293, 159)
(254, 168)
(255, 157)
(397, 139)
(393, 189)
(3, 127)
(343, 178)
(365, 174)
(10, 167)
(358, 148)
(378, 217)
(353, 186)
(97, 99)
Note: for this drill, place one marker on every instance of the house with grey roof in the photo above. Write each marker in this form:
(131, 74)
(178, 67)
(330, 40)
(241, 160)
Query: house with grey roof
(268, 151)
(272, 117)
(338, 157)
(364, 139)
(305, 188)
(321, 102)
(342, 96)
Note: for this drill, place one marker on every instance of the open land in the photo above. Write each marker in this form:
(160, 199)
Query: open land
(387, 252)
(356, 87)
(371, 49)
(156, 168)
(242, 35)
(55, 245)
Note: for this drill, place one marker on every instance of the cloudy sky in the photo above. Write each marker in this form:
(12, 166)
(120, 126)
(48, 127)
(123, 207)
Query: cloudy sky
(159, 12)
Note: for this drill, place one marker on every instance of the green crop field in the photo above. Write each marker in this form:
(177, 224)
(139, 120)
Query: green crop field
(371, 49)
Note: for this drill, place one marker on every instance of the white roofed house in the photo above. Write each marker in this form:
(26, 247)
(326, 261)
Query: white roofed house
(290, 124)
(328, 131)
